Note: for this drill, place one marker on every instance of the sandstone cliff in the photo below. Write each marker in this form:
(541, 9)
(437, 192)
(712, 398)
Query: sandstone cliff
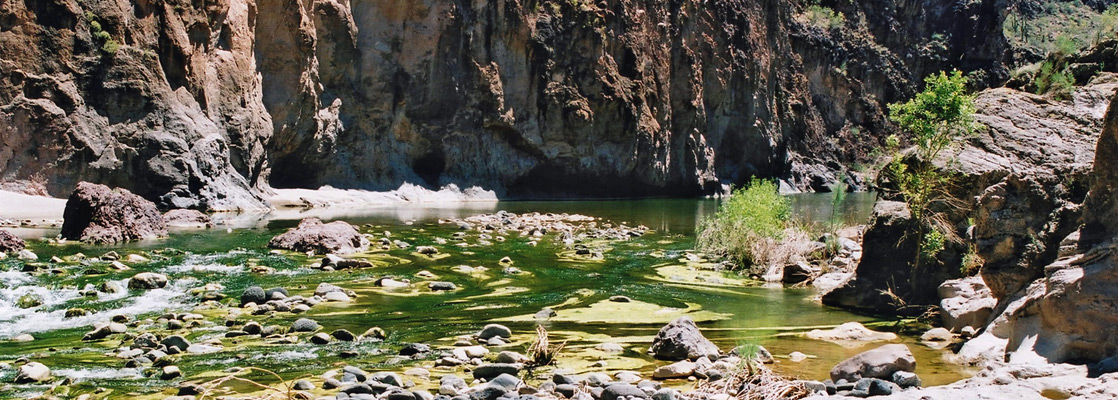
(208, 104)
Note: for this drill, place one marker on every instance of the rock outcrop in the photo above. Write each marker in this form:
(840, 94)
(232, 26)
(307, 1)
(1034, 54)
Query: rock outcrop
(97, 214)
(1024, 200)
(1067, 314)
(313, 235)
(205, 107)
(10, 243)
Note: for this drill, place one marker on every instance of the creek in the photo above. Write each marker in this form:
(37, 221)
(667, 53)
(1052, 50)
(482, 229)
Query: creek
(655, 271)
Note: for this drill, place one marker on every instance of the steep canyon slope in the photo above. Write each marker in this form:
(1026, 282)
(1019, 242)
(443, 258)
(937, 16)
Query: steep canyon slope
(209, 103)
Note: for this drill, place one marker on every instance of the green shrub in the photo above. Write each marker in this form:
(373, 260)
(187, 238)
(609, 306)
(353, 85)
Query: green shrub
(824, 17)
(1054, 79)
(938, 118)
(748, 227)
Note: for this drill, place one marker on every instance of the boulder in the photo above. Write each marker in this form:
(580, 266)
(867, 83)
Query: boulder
(489, 331)
(881, 362)
(10, 243)
(623, 390)
(442, 286)
(176, 341)
(681, 340)
(937, 335)
(966, 302)
(885, 267)
(183, 218)
(312, 234)
(255, 295)
(304, 325)
(147, 281)
(798, 272)
(96, 214)
(33, 372)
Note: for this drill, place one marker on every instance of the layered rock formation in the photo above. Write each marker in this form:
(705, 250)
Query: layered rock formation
(1019, 180)
(1068, 313)
(207, 105)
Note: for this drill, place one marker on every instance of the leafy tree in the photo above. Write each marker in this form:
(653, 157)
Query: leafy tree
(937, 119)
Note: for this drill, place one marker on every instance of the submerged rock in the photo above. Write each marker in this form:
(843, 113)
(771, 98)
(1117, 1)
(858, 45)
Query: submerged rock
(681, 340)
(850, 332)
(97, 214)
(312, 234)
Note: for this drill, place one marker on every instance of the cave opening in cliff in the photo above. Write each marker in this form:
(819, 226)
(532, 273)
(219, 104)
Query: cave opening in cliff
(430, 167)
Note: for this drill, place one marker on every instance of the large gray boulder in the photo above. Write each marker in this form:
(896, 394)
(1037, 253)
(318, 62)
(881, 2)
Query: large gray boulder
(889, 248)
(880, 363)
(681, 340)
(97, 214)
(312, 234)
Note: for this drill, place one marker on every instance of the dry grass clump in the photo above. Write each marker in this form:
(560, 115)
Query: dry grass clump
(541, 352)
(751, 382)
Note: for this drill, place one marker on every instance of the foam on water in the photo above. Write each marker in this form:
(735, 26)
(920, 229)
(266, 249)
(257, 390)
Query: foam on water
(15, 321)
(98, 373)
(290, 355)
(186, 267)
(14, 278)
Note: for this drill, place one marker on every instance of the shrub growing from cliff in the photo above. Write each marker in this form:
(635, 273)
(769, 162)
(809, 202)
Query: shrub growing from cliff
(938, 118)
(752, 228)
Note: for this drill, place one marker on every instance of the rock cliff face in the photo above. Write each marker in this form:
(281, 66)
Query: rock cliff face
(1068, 312)
(207, 104)
(1020, 180)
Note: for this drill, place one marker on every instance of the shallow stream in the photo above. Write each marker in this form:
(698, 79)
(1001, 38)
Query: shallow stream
(653, 270)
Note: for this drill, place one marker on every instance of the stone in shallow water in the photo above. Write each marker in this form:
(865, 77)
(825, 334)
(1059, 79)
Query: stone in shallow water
(681, 340)
(320, 338)
(33, 372)
(253, 294)
(881, 362)
(170, 372)
(493, 330)
(490, 371)
(304, 325)
(147, 281)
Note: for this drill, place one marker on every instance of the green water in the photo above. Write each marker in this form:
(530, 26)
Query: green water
(651, 270)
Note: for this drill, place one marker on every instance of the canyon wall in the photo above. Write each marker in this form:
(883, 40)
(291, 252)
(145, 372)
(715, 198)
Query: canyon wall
(208, 104)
